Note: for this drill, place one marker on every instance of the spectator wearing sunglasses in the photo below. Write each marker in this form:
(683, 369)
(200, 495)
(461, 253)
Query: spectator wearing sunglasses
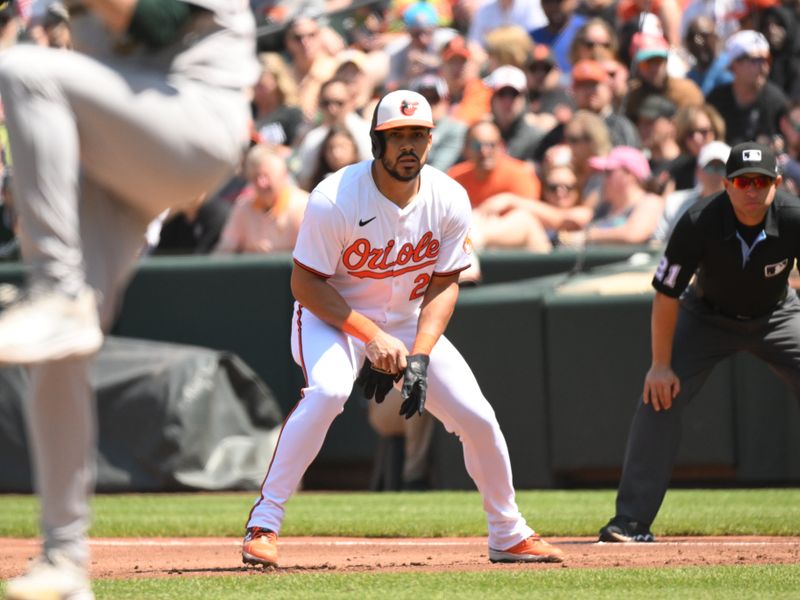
(709, 174)
(751, 105)
(488, 170)
(490, 176)
(721, 287)
(309, 61)
(549, 103)
(695, 127)
(336, 105)
(595, 40)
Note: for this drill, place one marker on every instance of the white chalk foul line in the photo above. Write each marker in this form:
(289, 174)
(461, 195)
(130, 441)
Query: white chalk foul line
(399, 542)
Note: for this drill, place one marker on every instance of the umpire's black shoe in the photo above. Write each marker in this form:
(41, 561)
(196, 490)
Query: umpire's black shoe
(623, 529)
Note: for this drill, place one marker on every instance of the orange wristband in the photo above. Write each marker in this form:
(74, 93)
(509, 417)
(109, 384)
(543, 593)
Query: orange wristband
(360, 327)
(424, 343)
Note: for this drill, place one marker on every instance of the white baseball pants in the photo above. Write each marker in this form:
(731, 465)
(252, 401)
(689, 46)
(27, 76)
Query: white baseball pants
(331, 360)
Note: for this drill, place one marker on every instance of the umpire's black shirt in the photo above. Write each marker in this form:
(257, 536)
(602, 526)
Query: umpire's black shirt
(737, 276)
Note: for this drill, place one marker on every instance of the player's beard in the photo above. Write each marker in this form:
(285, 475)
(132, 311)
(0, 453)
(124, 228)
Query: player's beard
(407, 175)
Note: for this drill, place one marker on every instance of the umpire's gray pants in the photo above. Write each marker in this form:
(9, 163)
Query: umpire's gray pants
(99, 150)
(702, 339)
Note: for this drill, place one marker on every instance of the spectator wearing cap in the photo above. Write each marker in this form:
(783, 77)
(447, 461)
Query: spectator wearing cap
(779, 25)
(488, 170)
(508, 107)
(628, 213)
(591, 89)
(695, 126)
(710, 176)
(448, 139)
(751, 105)
(491, 14)
(710, 67)
(650, 53)
(309, 61)
(561, 29)
(413, 54)
(470, 98)
(659, 137)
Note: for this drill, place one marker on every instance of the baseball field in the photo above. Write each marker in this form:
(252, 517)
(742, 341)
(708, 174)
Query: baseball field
(710, 544)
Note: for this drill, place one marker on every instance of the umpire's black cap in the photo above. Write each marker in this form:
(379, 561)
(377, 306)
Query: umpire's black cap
(750, 157)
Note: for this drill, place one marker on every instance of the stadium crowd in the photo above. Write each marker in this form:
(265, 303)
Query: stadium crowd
(569, 122)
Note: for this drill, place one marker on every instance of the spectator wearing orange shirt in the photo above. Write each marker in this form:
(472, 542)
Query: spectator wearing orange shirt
(490, 173)
(488, 170)
(266, 216)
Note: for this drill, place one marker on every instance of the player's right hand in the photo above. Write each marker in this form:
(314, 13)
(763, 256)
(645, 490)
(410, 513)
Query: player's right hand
(375, 384)
(661, 385)
(387, 353)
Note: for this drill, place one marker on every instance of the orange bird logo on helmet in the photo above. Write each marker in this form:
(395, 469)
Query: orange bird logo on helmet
(408, 108)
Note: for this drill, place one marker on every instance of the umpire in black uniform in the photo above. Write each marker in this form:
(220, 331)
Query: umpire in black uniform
(740, 245)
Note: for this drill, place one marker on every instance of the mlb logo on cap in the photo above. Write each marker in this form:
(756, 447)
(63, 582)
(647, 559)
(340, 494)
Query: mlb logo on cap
(751, 155)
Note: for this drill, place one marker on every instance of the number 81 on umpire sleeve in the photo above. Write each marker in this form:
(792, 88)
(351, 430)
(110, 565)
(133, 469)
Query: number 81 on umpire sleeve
(667, 273)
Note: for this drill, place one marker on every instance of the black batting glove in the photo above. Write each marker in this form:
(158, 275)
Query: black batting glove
(376, 384)
(415, 385)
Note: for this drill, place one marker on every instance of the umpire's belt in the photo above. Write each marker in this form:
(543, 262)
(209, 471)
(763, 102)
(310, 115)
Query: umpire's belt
(730, 315)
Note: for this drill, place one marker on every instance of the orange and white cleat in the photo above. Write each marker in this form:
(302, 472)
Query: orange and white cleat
(532, 549)
(260, 547)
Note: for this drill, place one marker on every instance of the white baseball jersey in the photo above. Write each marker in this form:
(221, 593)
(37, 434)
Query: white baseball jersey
(378, 256)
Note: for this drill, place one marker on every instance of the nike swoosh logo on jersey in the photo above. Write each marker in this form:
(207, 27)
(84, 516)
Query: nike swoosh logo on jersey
(362, 223)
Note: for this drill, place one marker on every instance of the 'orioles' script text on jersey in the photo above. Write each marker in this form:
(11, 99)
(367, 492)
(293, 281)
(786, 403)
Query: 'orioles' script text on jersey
(380, 257)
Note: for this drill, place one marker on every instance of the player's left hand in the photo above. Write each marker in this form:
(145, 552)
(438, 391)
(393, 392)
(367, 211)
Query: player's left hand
(415, 385)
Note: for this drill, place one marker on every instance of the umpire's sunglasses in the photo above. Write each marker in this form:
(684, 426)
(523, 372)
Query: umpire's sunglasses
(759, 182)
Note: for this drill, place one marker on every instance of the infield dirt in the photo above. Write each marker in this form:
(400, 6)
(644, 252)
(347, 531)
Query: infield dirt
(165, 557)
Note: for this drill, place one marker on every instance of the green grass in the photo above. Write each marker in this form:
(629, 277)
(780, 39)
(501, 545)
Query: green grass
(553, 513)
(427, 514)
(771, 581)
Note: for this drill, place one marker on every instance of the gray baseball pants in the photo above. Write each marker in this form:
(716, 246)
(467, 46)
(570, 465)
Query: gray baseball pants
(99, 150)
(702, 339)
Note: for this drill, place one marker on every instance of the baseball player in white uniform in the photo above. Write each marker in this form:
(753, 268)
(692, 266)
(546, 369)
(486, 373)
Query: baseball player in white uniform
(148, 113)
(376, 273)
